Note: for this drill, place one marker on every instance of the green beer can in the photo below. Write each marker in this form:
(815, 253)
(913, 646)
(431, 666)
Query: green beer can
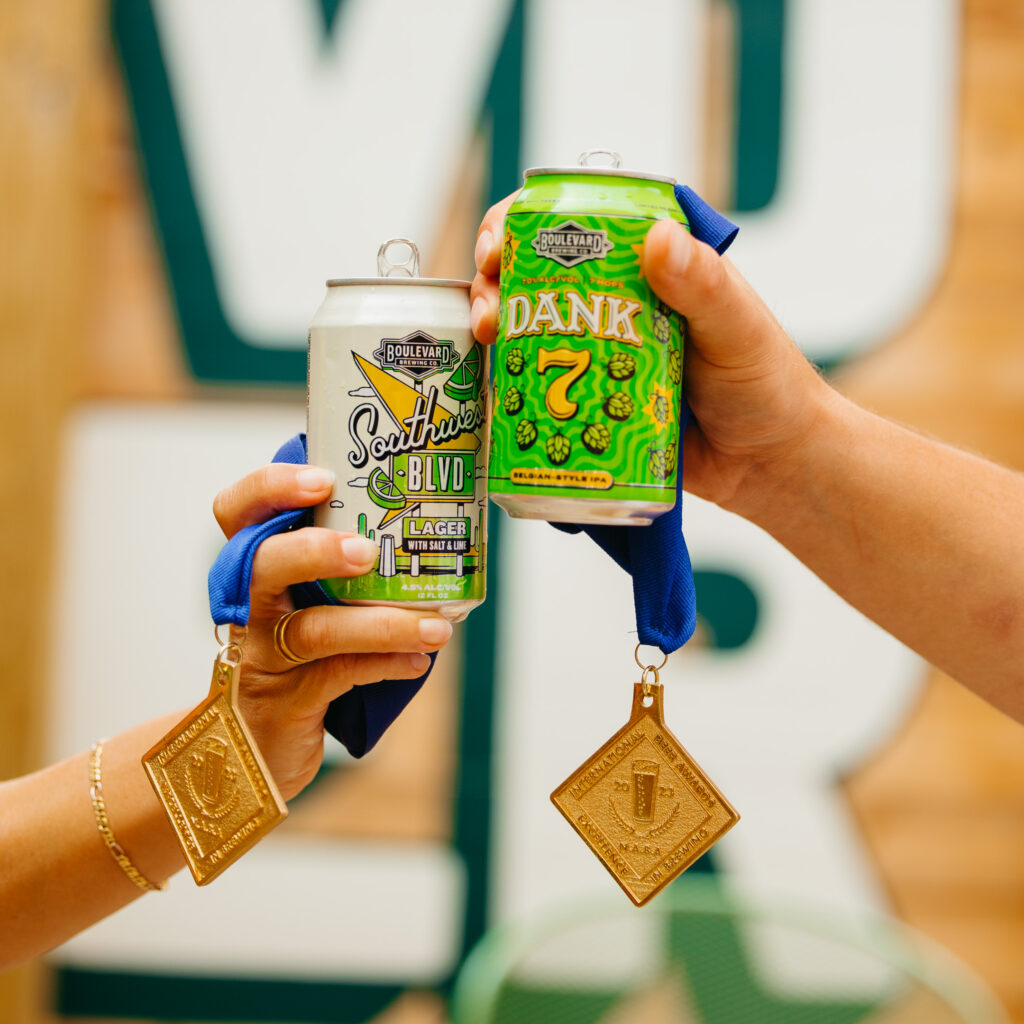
(589, 362)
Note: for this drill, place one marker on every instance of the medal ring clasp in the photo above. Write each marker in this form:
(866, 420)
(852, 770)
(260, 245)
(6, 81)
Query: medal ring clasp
(230, 642)
(640, 664)
(648, 686)
(230, 653)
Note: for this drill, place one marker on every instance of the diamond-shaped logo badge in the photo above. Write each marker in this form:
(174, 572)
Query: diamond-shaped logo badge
(417, 355)
(643, 805)
(570, 243)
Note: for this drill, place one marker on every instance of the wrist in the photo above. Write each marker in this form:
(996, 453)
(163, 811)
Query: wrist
(784, 486)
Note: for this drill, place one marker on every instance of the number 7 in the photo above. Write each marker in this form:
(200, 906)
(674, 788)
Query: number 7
(556, 398)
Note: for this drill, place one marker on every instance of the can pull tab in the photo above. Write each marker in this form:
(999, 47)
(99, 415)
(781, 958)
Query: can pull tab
(398, 256)
(593, 158)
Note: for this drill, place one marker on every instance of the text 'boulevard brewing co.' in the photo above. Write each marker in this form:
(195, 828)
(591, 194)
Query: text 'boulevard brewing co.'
(588, 378)
(397, 408)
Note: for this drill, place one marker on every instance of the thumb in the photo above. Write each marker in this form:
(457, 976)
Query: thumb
(726, 319)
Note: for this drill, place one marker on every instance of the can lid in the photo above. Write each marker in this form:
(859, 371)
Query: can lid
(611, 169)
(398, 262)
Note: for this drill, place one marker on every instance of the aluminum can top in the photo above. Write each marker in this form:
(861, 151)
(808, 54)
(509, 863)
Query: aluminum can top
(612, 169)
(395, 267)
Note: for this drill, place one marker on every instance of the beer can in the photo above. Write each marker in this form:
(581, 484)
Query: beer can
(589, 362)
(397, 408)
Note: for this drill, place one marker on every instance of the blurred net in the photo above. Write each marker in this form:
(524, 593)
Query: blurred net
(696, 957)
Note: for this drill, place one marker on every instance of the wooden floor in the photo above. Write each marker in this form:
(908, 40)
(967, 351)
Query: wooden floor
(941, 810)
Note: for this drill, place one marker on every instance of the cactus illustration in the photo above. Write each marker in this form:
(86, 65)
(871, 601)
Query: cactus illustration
(362, 524)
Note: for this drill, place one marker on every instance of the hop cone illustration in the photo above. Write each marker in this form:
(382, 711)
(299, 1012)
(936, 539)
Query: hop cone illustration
(513, 401)
(675, 366)
(619, 405)
(660, 409)
(656, 463)
(526, 434)
(662, 324)
(597, 438)
(557, 448)
(515, 361)
(621, 366)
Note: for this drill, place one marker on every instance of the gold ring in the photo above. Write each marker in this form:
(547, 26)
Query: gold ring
(281, 645)
(636, 658)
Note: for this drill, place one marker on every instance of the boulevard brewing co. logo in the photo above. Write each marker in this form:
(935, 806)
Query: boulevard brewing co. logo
(570, 244)
(417, 355)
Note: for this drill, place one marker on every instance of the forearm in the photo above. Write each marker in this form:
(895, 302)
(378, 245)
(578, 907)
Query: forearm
(57, 875)
(925, 540)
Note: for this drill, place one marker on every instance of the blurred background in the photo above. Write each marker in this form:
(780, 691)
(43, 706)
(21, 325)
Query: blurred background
(177, 180)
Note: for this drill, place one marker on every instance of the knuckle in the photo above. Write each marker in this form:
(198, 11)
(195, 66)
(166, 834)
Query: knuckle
(315, 631)
(346, 664)
(265, 482)
(484, 287)
(387, 629)
(310, 547)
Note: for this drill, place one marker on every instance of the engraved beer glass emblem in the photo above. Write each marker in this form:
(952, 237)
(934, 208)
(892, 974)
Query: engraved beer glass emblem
(645, 789)
(212, 786)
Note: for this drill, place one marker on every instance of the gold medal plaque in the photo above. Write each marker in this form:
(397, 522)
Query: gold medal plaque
(642, 804)
(213, 784)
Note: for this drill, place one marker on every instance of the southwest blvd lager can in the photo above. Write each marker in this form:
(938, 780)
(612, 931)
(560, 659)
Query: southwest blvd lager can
(588, 379)
(397, 407)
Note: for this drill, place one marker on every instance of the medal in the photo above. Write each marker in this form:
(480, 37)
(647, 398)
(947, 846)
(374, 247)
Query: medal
(211, 780)
(641, 803)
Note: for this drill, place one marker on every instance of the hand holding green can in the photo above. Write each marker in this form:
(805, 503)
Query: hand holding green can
(588, 370)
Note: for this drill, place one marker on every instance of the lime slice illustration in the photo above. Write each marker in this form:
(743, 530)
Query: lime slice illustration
(384, 491)
(464, 384)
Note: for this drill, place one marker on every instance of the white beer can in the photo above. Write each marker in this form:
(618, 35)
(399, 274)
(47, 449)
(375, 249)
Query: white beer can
(397, 408)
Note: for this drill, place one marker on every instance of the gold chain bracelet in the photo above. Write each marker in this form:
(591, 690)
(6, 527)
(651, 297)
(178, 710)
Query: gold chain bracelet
(103, 824)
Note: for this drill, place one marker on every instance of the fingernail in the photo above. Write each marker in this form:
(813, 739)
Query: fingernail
(484, 244)
(420, 662)
(359, 550)
(476, 314)
(315, 479)
(435, 631)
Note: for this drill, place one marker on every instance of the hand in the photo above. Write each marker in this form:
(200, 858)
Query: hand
(754, 395)
(284, 704)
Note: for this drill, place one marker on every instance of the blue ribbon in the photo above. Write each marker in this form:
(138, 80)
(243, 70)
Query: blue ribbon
(656, 556)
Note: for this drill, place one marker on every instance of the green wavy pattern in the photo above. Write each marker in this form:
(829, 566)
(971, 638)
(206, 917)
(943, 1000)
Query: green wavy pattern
(632, 458)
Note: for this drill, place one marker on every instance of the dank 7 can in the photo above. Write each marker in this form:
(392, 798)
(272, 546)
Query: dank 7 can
(397, 407)
(589, 362)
